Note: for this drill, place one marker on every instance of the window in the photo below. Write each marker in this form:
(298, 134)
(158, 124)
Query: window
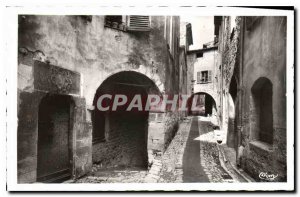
(198, 77)
(128, 23)
(262, 113)
(204, 76)
(138, 23)
(200, 54)
(115, 22)
(217, 23)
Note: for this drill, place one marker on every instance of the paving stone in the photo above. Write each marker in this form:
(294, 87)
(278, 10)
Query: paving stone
(172, 159)
(114, 176)
(168, 167)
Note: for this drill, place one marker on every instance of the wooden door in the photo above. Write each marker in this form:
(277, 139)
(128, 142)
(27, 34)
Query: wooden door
(53, 163)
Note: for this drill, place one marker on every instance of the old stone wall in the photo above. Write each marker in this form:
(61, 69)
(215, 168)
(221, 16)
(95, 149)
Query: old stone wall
(191, 58)
(207, 62)
(254, 49)
(126, 142)
(28, 116)
(265, 56)
(95, 51)
(228, 61)
(183, 73)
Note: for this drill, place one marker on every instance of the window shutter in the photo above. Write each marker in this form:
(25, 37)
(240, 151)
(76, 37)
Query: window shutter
(209, 76)
(138, 23)
(198, 77)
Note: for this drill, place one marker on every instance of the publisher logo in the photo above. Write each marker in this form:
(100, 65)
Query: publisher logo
(267, 177)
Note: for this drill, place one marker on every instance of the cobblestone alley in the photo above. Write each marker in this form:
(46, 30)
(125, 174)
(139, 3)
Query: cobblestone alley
(145, 99)
(192, 156)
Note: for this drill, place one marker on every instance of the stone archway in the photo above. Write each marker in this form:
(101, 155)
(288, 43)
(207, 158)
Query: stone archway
(120, 137)
(205, 104)
(147, 71)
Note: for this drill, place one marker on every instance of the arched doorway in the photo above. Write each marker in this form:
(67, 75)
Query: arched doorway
(120, 136)
(54, 144)
(262, 112)
(203, 104)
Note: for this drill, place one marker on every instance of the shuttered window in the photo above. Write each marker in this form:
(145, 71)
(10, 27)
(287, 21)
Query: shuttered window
(138, 23)
(204, 76)
(209, 76)
(198, 77)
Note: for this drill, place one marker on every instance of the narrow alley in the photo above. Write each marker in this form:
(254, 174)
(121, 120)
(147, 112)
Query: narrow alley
(197, 158)
(191, 166)
(151, 99)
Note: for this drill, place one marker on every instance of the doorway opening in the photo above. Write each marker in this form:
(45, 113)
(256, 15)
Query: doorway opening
(262, 112)
(54, 137)
(120, 136)
(204, 104)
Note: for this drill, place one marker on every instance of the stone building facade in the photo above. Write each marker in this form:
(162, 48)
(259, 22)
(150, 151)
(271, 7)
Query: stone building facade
(65, 63)
(183, 77)
(253, 88)
(186, 39)
(203, 62)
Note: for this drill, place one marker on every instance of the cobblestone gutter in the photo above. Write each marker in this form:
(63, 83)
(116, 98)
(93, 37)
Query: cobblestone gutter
(172, 158)
(227, 157)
